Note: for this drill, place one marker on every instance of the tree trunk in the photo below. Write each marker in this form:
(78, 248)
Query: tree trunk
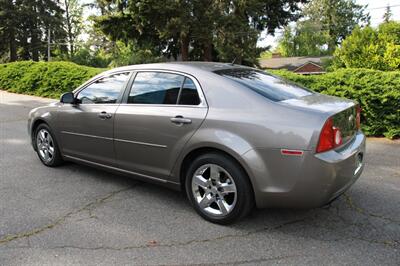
(13, 46)
(238, 60)
(34, 32)
(185, 48)
(23, 43)
(331, 47)
(69, 28)
(207, 51)
(331, 26)
(71, 49)
(35, 46)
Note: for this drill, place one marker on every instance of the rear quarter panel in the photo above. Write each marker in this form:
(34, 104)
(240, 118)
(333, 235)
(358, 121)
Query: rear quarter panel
(240, 120)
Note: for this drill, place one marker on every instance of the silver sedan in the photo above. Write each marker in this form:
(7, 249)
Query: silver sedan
(231, 137)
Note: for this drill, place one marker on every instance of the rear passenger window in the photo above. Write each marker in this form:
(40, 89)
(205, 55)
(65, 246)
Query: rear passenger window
(163, 88)
(155, 88)
(189, 95)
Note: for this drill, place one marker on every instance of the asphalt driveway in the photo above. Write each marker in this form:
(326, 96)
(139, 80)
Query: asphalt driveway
(78, 215)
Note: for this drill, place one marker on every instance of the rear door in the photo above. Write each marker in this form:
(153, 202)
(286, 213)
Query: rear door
(160, 112)
(86, 128)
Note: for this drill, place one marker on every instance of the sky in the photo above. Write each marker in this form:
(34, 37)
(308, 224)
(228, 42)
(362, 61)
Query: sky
(375, 8)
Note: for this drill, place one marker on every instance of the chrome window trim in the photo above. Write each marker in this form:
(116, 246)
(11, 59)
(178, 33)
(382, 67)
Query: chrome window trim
(161, 105)
(99, 104)
(203, 101)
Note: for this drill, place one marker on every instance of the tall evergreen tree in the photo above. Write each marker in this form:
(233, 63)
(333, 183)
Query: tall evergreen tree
(337, 18)
(73, 24)
(8, 28)
(25, 25)
(197, 29)
(324, 25)
(303, 39)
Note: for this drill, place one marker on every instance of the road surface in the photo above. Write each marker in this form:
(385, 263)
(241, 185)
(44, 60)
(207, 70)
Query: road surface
(78, 215)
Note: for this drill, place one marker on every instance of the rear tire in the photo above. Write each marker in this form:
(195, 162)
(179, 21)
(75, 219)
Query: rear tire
(218, 188)
(47, 146)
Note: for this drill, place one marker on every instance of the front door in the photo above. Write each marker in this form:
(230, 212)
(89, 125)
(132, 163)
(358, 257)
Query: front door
(87, 127)
(162, 111)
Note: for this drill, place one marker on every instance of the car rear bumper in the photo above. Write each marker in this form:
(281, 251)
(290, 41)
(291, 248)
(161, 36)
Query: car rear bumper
(306, 181)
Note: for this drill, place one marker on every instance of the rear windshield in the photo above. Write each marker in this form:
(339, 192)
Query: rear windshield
(269, 86)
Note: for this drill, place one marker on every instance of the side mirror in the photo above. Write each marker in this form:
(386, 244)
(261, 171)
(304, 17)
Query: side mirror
(67, 97)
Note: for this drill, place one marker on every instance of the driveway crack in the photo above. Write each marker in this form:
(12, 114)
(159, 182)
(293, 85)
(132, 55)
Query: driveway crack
(87, 207)
(186, 243)
(362, 211)
(276, 258)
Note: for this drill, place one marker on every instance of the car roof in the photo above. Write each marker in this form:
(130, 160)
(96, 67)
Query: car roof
(191, 67)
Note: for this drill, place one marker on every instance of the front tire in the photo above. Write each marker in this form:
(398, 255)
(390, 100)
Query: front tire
(218, 188)
(47, 146)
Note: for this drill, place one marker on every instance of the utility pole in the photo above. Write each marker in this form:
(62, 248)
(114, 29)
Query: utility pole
(48, 45)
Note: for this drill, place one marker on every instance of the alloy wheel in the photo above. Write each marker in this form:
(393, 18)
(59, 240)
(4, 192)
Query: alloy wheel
(45, 145)
(214, 190)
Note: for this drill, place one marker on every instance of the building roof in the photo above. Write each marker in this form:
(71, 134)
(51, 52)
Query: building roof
(290, 63)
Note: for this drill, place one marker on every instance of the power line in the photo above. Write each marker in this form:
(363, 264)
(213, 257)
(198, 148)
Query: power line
(382, 7)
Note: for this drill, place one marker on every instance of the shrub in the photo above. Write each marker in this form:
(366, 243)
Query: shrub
(378, 92)
(48, 79)
(371, 48)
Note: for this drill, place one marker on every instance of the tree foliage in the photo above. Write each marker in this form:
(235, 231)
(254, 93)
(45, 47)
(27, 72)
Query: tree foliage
(73, 22)
(25, 24)
(304, 39)
(325, 24)
(371, 48)
(196, 29)
(337, 18)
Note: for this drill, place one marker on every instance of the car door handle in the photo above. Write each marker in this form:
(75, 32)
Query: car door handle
(179, 120)
(104, 115)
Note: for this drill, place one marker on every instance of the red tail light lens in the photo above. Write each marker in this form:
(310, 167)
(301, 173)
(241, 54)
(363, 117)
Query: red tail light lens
(330, 137)
(358, 117)
(326, 137)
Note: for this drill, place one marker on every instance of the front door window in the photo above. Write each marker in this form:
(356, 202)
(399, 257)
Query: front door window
(103, 91)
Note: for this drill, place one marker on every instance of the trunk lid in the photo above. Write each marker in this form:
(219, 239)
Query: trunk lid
(346, 122)
(342, 111)
(321, 103)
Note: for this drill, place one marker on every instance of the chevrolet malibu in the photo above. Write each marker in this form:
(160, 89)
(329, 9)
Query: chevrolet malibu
(231, 137)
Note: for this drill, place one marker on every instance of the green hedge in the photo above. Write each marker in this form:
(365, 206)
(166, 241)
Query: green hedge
(43, 78)
(378, 92)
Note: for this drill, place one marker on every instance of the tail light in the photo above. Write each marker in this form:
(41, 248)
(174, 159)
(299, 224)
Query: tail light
(358, 117)
(330, 137)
